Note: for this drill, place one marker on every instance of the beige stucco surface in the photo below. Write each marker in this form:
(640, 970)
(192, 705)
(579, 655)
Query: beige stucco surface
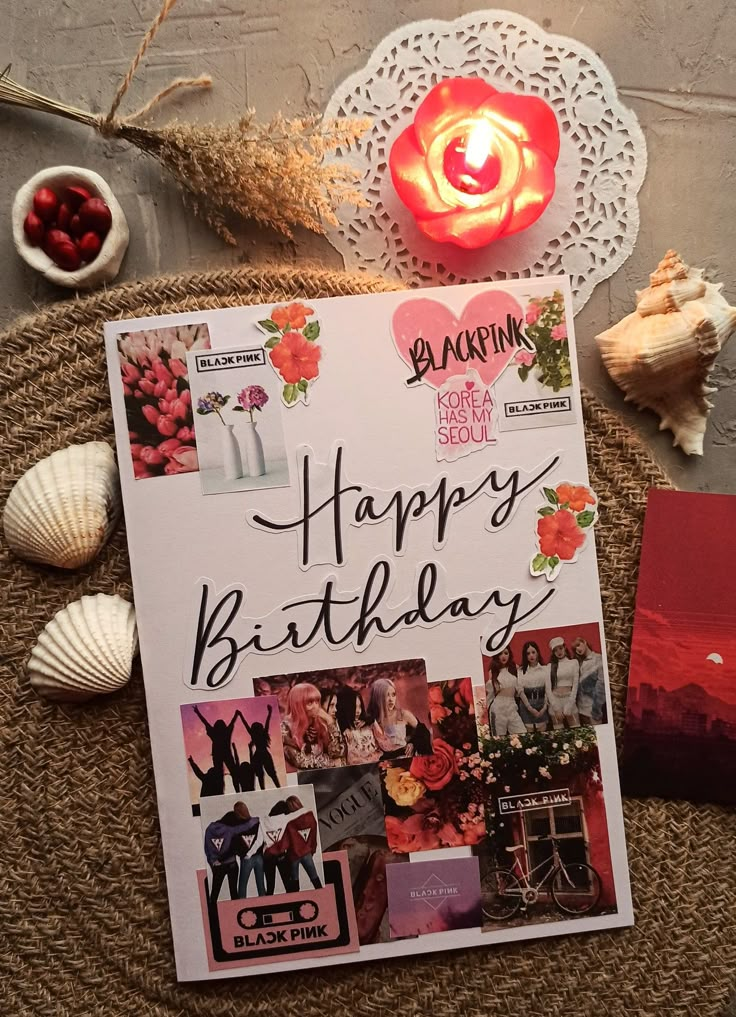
(289, 55)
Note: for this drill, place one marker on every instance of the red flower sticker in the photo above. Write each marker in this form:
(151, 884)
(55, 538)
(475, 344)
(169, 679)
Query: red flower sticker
(293, 349)
(510, 189)
(294, 315)
(296, 358)
(569, 513)
(559, 534)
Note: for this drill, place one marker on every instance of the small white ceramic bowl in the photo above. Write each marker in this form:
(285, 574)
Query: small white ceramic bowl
(107, 263)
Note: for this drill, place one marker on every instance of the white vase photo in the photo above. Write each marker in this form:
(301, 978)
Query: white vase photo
(253, 447)
(232, 463)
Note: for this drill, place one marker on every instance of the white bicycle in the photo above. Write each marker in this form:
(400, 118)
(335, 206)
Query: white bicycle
(575, 887)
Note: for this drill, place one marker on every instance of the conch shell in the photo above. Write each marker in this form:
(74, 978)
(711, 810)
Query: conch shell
(86, 650)
(662, 354)
(64, 508)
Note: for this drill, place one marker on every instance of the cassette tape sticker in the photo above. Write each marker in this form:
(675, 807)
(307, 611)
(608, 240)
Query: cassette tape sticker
(318, 922)
(268, 891)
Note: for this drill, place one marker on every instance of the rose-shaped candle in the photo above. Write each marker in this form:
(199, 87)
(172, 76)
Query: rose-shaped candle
(476, 164)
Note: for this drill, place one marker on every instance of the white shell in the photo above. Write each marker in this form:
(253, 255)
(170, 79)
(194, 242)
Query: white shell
(65, 507)
(86, 650)
(662, 354)
(107, 263)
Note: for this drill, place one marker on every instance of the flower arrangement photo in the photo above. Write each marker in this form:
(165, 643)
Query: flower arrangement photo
(213, 402)
(293, 349)
(547, 329)
(568, 515)
(437, 800)
(158, 402)
(537, 757)
(252, 397)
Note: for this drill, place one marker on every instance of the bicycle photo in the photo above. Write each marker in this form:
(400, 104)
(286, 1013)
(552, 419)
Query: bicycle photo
(574, 887)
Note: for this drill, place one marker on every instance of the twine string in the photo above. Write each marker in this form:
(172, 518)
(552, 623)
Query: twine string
(107, 124)
(203, 81)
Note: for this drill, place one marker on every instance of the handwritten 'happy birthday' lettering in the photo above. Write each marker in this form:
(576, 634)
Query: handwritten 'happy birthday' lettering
(329, 503)
(339, 618)
(468, 346)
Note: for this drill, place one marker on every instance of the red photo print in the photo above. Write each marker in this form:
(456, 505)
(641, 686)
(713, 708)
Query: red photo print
(680, 737)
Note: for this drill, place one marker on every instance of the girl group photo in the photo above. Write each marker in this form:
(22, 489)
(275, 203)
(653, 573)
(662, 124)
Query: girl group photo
(546, 680)
(232, 745)
(349, 716)
(262, 843)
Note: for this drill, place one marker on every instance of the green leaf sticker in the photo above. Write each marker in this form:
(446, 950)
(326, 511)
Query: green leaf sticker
(311, 331)
(546, 511)
(585, 518)
(239, 409)
(273, 341)
(290, 394)
(302, 385)
(550, 495)
(539, 562)
(269, 326)
(554, 561)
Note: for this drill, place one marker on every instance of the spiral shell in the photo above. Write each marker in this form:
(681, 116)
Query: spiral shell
(86, 650)
(662, 354)
(63, 510)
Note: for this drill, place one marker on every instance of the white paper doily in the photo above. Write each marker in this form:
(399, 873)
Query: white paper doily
(589, 228)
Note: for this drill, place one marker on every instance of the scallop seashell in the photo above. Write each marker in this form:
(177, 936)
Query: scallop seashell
(661, 355)
(63, 510)
(86, 650)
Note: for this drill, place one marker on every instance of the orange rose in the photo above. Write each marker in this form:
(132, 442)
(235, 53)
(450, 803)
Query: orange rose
(576, 497)
(294, 315)
(560, 535)
(296, 358)
(437, 709)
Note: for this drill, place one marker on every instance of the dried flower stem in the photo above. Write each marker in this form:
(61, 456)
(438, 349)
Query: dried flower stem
(274, 173)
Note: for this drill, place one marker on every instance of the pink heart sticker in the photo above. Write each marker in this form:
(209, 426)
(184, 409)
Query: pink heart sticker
(436, 345)
(469, 385)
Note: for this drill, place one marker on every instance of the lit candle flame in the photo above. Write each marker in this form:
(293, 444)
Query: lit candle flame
(478, 145)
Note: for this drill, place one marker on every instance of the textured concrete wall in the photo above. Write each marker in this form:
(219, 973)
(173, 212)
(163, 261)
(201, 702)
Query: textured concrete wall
(289, 55)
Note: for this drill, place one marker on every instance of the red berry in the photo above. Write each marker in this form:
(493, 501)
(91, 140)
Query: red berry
(45, 204)
(75, 226)
(95, 215)
(62, 250)
(34, 229)
(63, 217)
(75, 196)
(89, 246)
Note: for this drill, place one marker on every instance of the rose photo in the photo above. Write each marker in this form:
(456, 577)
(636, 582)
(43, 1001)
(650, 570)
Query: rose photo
(351, 715)
(232, 745)
(547, 679)
(547, 857)
(436, 801)
(237, 420)
(271, 836)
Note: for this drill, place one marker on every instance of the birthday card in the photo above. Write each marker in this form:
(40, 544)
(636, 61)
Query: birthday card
(362, 538)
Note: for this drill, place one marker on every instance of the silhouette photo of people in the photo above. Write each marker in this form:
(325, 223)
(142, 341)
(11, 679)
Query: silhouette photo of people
(232, 745)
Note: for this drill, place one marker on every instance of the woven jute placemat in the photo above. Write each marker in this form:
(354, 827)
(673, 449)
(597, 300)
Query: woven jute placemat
(84, 921)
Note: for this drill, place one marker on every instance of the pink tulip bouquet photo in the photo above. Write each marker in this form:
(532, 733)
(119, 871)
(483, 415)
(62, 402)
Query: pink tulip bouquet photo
(158, 403)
